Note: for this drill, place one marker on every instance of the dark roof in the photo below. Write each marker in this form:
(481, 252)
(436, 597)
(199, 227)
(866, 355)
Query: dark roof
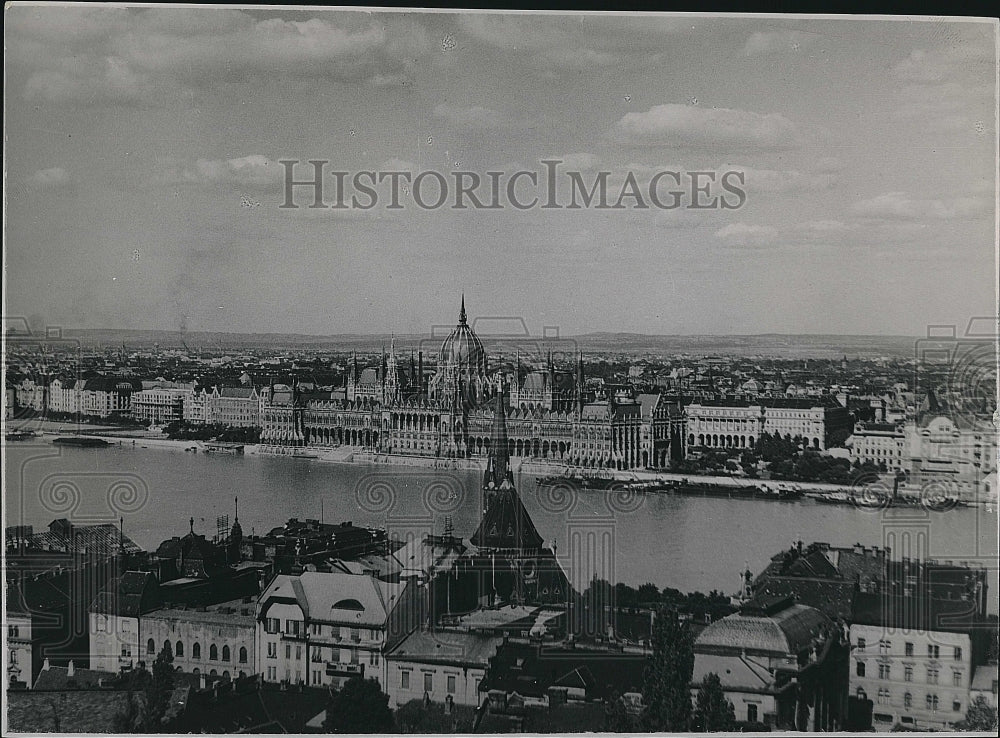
(79, 711)
(506, 524)
(530, 670)
(925, 614)
(131, 595)
(57, 678)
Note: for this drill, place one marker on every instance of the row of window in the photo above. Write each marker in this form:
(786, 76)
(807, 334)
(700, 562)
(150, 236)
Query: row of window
(885, 672)
(930, 700)
(404, 682)
(933, 651)
(317, 653)
(177, 650)
(298, 628)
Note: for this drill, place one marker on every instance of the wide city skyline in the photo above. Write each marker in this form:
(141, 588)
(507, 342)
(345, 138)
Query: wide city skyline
(143, 185)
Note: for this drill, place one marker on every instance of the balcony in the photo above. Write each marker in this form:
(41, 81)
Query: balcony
(335, 668)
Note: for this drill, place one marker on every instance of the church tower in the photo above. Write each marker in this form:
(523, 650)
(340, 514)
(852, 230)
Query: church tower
(391, 389)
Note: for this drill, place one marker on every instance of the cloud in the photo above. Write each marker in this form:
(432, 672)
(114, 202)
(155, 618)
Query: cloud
(692, 126)
(769, 42)
(949, 62)
(577, 162)
(256, 172)
(780, 180)
(901, 206)
(557, 47)
(747, 235)
(152, 55)
(474, 116)
(50, 178)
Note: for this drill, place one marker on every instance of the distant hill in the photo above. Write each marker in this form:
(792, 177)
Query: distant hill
(637, 344)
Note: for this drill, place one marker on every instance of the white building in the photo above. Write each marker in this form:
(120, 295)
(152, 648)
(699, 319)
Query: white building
(912, 660)
(440, 664)
(22, 652)
(322, 628)
(161, 405)
(984, 684)
(952, 456)
(879, 443)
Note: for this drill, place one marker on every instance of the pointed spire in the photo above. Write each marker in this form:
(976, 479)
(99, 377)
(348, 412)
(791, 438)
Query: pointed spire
(236, 519)
(462, 318)
(192, 524)
(498, 466)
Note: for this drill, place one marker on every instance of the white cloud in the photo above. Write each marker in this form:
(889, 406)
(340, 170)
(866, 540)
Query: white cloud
(474, 116)
(746, 234)
(50, 178)
(901, 206)
(769, 42)
(152, 55)
(255, 171)
(689, 125)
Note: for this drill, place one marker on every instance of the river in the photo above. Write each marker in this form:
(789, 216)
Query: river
(682, 542)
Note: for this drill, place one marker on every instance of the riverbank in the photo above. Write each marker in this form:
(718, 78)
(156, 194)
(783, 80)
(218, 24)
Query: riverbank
(356, 456)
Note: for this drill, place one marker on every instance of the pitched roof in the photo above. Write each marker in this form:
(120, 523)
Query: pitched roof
(917, 613)
(783, 633)
(338, 597)
(446, 647)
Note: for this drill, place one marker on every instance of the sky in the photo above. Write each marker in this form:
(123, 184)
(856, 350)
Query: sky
(143, 184)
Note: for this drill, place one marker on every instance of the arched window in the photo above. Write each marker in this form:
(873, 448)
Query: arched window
(225, 653)
(179, 649)
(213, 653)
(243, 654)
(196, 650)
(150, 646)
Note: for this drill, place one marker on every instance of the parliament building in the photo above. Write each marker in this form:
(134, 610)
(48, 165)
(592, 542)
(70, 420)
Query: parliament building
(392, 408)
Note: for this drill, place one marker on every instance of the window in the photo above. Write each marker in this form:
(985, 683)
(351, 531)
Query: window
(125, 652)
(12, 631)
(883, 696)
(933, 652)
(404, 680)
(225, 653)
(272, 673)
(213, 653)
(909, 648)
(861, 669)
(272, 650)
(932, 676)
(179, 648)
(862, 695)
(883, 671)
(956, 678)
(298, 653)
(316, 629)
(884, 646)
(751, 713)
(932, 702)
(956, 706)
(356, 634)
(272, 625)
(317, 677)
(150, 646)
(196, 650)
(288, 650)
(958, 653)
(428, 683)
(907, 700)
(908, 673)
(243, 654)
(861, 644)
(451, 684)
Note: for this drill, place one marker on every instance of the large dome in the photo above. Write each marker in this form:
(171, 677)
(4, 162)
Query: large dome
(462, 349)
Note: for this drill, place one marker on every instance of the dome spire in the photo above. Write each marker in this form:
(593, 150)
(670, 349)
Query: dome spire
(461, 314)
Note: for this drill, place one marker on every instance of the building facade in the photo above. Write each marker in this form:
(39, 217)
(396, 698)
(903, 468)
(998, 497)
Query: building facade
(820, 422)
(322, 628)
(386, 409)
(883, 444)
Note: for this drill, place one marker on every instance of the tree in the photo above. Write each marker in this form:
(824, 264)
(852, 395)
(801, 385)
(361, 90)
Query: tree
(713, 712)
(617, 718)
(667, 683)
(980, 715)
(360, 706)
(159, 690)
(128, 719)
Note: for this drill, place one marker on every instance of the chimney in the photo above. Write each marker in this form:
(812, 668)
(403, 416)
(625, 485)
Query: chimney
(201, 680)
(70, 671)
(45, 665)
